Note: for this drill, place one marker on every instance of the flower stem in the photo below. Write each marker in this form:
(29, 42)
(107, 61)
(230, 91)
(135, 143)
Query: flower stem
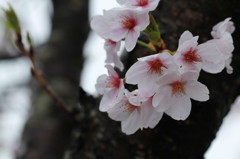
(145, 45)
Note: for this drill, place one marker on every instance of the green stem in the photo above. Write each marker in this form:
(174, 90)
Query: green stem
(144, 44)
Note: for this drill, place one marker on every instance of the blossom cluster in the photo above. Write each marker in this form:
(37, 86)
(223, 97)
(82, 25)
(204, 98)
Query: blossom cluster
(166, 81)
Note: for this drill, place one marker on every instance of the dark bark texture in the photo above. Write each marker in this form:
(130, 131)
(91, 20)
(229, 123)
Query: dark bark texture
(47, 134)
(94, 134)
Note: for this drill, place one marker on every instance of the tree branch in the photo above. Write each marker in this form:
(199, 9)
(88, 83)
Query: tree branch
(38, 76)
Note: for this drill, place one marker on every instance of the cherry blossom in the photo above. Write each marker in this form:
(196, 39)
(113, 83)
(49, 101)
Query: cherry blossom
(119, 23)
(223, 40)
(134, 113)
(175, 91)
(144, 5)
(112, 49)
(191, 56)
(223, 27)
(147, 70)
(111, 87)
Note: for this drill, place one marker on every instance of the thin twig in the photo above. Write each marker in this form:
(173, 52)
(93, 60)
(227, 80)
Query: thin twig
(38, 76)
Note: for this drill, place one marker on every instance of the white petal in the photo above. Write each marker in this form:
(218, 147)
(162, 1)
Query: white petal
(209, 52)
(107, 101)
(229, 68)
(188, 45)
(99, 24)
(186, 35)
(143, 20)
(136, 72)
(153, 5)
(169, 78)
(121, 1)
(181, 108)
(101, 84)
(197, 91)
(118, 63)
(162, 99)
(154, 119)
(132, 123)
(131, 39)
(112, 56)
(213, 67)
(148, 85)
(135, 98)
(190, 75)
(149, 116)
(111, 71)
(117, 34)
(118, 112)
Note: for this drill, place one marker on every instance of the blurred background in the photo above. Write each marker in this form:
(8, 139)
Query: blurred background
(70, 55)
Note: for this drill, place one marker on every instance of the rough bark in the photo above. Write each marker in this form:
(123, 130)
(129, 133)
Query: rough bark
(48, 130)
(100, 137)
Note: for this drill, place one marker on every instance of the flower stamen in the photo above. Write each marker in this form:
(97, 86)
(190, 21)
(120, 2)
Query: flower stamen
(142, 3)
(113, 82)
(178, 89)
(191, 56)
(128, 23)
(155, 66)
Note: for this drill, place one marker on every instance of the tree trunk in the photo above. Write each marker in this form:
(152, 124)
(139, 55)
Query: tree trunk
(48, 131)
(102, 138)
(95, 135)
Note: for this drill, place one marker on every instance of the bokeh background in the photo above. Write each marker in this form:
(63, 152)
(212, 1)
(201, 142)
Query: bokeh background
(71, 55)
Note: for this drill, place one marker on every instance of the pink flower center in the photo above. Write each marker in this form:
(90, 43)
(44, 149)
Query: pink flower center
(178, 89)
(113, 82)
(191, 56)
(129, 107)
(142, 3)
(112, 42)
(155, 66)
(128, 23)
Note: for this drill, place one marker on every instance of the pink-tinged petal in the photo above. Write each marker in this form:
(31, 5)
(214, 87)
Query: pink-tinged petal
(186, 35)
(99, 24)
(141, 5)
(162, 100)
(197, 91)
(101, 84)
(229, 68)
(169, 78)
(118, 63)
(136, 72)
(111, 71)
(224, 45)
(188, 45)
(135, 98)
(107, 101)
(209, 52)
(223, 27)
(131, 40)
(142, 20)
(132, 123)
(213, 67)
(181, 108)
(117, 34)
(121, 1)
(153, 4)
(149, 116)
(146, 111)
(119, 112)
(112, 48)
(190, 75)
(148, 86)
(154, 119)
